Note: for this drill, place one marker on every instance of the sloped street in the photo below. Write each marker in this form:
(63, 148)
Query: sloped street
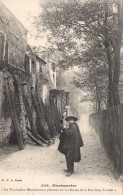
(39, 168)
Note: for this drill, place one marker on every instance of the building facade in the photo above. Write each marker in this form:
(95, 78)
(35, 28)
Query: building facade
(25, 83)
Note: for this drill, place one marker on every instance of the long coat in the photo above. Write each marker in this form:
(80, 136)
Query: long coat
(71, 139)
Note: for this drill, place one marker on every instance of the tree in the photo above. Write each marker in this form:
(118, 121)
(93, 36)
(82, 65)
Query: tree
(93, 78)
(73, 24)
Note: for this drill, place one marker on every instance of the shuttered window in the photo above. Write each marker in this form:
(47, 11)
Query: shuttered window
(2, 47)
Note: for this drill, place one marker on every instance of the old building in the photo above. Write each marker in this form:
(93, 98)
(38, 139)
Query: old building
(12, 56)
(28, 111)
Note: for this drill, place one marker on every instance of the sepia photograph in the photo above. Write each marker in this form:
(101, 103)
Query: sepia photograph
(61, 97)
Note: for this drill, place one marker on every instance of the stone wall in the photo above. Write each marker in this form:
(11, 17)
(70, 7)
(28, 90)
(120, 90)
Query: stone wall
(13, 41)
(5, 120)
(108, 125)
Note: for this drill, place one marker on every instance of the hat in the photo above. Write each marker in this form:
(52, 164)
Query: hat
(68, 118)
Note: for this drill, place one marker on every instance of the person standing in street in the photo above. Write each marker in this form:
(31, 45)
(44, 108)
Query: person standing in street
(70, 143)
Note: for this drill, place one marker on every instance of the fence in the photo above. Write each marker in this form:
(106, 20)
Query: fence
(108, 124)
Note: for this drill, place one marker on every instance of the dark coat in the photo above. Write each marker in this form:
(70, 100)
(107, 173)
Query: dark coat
(71, 139)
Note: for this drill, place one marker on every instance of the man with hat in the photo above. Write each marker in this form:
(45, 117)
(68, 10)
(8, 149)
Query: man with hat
(70, 143)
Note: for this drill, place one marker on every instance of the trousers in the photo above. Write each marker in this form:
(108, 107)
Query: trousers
(70, 160)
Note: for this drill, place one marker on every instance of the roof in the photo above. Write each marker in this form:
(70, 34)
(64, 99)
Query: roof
(40, 59)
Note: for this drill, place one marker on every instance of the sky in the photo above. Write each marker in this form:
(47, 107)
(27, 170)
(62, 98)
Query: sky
(23, 10)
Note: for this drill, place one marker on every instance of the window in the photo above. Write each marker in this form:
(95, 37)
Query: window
(33, 66)
(2, 47)
(26, 63)
(53, 67)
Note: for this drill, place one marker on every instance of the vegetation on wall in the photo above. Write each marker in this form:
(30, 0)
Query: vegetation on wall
(5, 110)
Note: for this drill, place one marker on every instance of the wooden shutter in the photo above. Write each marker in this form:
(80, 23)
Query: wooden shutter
(2, 47)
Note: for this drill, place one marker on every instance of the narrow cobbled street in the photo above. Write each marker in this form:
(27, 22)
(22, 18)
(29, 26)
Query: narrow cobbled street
(35, 167)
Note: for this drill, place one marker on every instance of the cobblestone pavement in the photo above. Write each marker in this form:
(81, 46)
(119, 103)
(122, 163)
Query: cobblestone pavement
(36, 167)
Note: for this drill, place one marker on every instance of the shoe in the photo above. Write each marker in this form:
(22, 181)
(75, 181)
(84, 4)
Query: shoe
(69, 174)
(66, 170)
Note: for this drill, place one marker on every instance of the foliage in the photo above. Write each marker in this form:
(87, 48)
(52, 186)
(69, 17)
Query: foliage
(88, 34)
